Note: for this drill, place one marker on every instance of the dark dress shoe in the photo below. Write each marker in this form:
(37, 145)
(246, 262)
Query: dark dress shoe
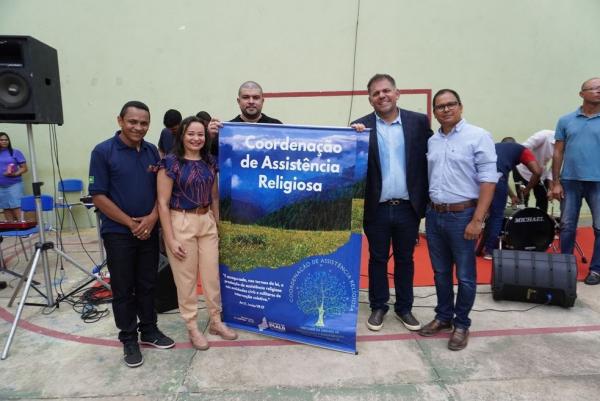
(459, 339)
(375, 321)
(592, 278)
(434, 327)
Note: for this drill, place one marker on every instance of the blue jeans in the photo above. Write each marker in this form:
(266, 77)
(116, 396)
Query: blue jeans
(448, 247)
(570, 207)
(496, 217)
(400, 225)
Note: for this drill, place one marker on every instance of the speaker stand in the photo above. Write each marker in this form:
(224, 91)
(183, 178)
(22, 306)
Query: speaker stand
(41, 249)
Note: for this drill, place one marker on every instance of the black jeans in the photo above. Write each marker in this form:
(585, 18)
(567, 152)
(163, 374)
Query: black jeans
(133, 267)
(399, 225)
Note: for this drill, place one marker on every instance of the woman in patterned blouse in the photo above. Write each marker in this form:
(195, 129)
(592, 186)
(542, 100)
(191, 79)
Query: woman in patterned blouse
(188, 206)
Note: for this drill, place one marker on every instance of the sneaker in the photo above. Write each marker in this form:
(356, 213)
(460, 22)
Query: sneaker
(409, 321)
(488, 256)
(592, 278)
(157, 339)
(132, 355)
(375, 321)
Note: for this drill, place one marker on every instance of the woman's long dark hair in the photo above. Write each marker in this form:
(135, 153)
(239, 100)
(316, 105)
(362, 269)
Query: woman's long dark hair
(179, 149)
(10, 149)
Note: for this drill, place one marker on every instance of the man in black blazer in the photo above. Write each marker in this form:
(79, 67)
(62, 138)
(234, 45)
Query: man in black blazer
(396, 197)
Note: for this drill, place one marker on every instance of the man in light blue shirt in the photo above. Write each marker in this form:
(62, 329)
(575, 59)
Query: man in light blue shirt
(390, 139)
(576, 150)
(395, 198)
(461, 162)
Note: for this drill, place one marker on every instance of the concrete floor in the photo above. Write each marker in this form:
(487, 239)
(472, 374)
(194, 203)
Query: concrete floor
(547, 353)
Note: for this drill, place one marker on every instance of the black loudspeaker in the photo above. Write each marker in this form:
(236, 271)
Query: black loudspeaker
(166, 291)
(539, 277)
(29, 82)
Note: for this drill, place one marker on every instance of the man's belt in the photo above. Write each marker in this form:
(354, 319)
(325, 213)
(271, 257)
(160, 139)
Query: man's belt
(453, 207)
(395, 202)
(196, 210)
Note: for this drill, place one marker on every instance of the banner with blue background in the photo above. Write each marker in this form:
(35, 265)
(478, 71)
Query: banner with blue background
(291, 216)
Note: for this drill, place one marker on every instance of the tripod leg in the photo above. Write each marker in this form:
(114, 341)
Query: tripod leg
(32, 267)
(20, 284)
(77, 265)
(61, 298)
(22, 280)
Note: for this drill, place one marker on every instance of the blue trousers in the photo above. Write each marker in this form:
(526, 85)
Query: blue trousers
(575, 192)
(447, 248)
(496, 216)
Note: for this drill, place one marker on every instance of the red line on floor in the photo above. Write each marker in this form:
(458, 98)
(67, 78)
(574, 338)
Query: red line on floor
(485, 333)
(6, 315)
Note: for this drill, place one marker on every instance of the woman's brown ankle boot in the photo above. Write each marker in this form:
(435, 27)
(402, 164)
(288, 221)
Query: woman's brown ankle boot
(218, 328)
(198, 340)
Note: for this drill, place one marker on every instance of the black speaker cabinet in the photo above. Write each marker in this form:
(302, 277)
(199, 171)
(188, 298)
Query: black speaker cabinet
(537, 277)
(166, 291)
(29, 82)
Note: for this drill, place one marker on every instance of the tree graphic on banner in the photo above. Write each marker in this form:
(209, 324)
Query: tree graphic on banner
(322, 294)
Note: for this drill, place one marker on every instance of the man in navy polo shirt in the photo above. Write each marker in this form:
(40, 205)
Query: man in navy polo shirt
(123, 187)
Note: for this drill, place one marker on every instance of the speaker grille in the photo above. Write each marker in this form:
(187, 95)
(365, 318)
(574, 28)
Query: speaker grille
(14, 90)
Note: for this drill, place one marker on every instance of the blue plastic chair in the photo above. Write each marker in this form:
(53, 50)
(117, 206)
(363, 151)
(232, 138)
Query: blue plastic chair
(28, 205)
(71, 186)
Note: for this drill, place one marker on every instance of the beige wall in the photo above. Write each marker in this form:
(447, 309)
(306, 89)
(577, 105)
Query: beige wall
(518, 64)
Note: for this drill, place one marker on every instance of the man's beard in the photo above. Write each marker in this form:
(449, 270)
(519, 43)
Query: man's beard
(251, 116)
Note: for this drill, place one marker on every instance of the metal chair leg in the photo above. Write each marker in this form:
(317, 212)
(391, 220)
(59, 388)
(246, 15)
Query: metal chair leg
(72, 218)
(23, 247)
(87, 213)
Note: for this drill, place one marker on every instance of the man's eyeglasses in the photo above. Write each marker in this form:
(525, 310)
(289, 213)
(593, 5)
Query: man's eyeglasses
(450, 106)
(595, 89)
